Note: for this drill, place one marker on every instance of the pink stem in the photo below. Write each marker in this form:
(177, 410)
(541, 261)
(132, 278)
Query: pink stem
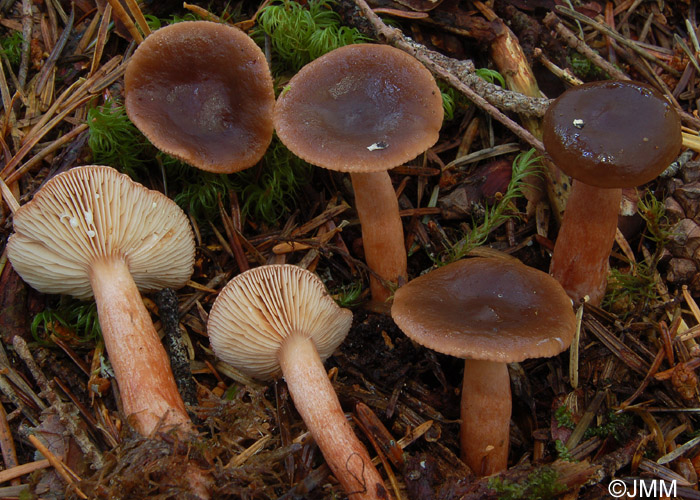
(318, 405)
(142, 368)
(585, 240)
(382, 231)
(485, 408)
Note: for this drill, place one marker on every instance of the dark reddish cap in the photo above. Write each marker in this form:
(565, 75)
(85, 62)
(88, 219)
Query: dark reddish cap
(612, 134)
(486, 309)
(361, 108)
(202, 92)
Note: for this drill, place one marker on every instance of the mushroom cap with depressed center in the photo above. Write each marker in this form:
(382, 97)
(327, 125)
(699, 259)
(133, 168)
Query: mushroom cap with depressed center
(259, 309)
(486, 309)
(612, 134)
(360, 108)
(202, 92)
(94, 212)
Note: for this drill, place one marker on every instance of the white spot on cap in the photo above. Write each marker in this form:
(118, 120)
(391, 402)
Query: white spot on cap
(578, 123)
(377, 146)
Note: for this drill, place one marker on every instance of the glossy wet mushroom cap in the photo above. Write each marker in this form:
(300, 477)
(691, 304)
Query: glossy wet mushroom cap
(360, 108)
(490, 312)
(612, 134)
(486, 309)
(202, 92)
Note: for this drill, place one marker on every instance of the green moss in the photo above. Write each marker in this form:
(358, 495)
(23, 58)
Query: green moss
(11, 47)
(198, 192)
(298, 33)
(452, 100)
(564, 417)
(653, 211)
(616, 425)
(79, 317)
(636, 286)
(268, 191)
(115, 140)
(524, 164)
(491, 76)
(540, 484)
(562, 451)
(348, 295)
(584, 69)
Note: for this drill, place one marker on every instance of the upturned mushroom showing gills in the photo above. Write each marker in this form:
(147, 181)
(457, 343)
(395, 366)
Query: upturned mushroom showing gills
(490, 312)
(279, 318)
(607, 136)
(364, 109)
(202, 92)
(92, 231)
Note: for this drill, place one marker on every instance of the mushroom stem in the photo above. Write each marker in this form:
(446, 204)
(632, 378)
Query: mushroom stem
(318, 405)
(382, 231)
(585, 240)
(485, 410)
(142, 368)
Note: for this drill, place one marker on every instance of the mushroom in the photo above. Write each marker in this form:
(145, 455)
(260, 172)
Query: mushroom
(364, 109)
(202, 92)
(490, 312)
(92, 231)
(280, 318)
(607, 136)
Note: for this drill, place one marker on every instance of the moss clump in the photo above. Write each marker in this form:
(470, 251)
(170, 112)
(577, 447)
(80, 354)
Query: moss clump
(73, 321)
(11, 47)
(299, 34)
(541, 484)
(114, 139)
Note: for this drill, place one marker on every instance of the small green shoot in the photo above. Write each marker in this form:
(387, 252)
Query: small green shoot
(540, 484)
(524, 165)
(299, 34)
(348, 295)
(452, 100)
(653, 212)
(79, 318)
(491, 76)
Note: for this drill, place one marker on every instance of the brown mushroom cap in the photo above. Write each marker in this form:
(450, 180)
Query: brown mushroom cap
(362, 107)
(612, 134)
(486, 309)
(93, 212)
(259, 309)
(202, 92)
